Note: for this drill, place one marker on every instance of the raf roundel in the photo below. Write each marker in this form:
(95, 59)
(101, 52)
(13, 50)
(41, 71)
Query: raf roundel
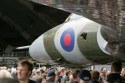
(67, 40)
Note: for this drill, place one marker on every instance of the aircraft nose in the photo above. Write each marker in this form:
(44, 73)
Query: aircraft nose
(37, 50)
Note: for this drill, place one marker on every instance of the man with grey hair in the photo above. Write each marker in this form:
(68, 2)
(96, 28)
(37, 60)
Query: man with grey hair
(5, 77)
(5, 74)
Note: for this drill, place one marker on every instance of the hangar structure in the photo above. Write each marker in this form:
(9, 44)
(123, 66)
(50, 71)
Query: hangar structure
(21, 22)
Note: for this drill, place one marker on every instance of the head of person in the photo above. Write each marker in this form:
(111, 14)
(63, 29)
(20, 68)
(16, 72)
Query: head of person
(103, 69)
(67, 73)
(116, 66)
(85, 76)
(51, 75)
(5, 74)
(123, 72)
(44, 76)
(24, 69)
(5, 77)
(76, 73)
(95, 75)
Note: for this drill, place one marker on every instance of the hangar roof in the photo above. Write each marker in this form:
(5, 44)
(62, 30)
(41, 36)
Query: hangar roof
(21, 21)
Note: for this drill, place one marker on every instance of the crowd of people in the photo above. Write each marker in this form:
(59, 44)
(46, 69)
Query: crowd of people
(25, 73)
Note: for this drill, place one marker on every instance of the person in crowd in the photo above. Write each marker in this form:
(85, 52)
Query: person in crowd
(33, 73)
(95, 76)
(5, 77)
(65, 77)
(103, 75)
(114, 76)
(50, 77)
(85, 76)
(5, 74)
(123, 72)
(37, 77)
(75, 74)
(14, 73)
(24, 71)
(8, 80)
(43, 78)
(59, 77)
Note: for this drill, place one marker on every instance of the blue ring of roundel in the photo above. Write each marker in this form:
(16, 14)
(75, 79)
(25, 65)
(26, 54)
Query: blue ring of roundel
(71, 46)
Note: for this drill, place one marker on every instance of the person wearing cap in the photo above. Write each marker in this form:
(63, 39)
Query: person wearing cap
(85, 76)
(50, 77)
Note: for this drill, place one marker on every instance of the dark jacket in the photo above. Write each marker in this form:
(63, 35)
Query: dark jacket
(115, 77)
(31, 81)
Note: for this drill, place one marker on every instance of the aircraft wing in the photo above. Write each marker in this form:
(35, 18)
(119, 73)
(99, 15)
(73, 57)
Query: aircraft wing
(106, 12)
(21, 21)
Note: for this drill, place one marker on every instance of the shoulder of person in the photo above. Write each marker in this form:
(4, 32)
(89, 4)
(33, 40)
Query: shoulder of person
(32, 81)
(123, 79)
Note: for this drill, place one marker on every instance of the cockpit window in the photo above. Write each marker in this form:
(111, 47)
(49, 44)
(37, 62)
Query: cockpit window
(84, 35)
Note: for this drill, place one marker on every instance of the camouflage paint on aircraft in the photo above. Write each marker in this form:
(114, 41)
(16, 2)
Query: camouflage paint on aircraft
(37, 47)
(69, 48)
(89, 46)
(50, 46)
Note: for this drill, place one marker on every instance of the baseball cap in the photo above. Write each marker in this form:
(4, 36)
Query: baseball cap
(51, 73)
(85, 75)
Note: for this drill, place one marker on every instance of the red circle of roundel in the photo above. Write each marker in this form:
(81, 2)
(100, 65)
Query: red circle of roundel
(68, 39)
